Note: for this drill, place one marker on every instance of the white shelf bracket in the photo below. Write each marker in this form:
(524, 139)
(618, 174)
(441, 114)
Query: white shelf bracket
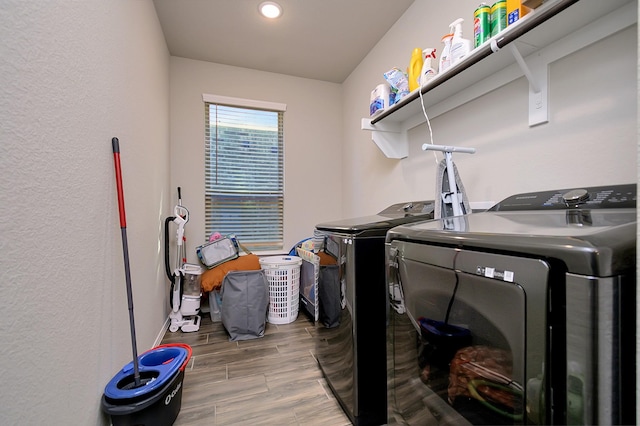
(389, 137)
(537, 72)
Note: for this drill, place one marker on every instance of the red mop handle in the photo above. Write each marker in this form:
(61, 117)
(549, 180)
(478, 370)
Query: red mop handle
(125, 251)
(116, 160)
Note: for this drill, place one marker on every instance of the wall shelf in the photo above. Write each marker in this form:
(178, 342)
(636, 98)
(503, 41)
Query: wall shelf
(555, 29)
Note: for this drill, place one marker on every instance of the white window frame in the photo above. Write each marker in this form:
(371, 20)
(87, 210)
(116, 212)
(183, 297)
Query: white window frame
(250, 104)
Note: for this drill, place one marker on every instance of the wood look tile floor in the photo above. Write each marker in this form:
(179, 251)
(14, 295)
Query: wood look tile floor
(273, 380)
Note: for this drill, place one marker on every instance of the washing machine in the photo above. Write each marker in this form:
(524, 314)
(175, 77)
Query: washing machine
(523, 314)
(351, 332)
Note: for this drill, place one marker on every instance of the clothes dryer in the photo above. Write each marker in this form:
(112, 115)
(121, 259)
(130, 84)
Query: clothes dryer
(523, 314)
(351, 334)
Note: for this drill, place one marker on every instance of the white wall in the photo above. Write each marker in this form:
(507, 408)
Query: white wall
(72, 76)
(75, 74)
(591, 138)
(313, 145)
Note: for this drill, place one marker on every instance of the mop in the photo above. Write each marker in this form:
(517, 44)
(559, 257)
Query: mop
(123, 230)
(148, 390)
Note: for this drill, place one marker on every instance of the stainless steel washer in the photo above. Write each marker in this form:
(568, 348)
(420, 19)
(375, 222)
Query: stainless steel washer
(523, 314)
(351, 344)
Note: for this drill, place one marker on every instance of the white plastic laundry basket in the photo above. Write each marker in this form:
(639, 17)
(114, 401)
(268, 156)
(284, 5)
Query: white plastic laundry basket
(283, 275)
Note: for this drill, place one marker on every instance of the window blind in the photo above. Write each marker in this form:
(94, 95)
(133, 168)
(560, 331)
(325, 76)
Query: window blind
(244, 182)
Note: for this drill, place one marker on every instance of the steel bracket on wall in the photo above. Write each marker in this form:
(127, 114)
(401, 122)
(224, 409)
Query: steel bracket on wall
(537, 73)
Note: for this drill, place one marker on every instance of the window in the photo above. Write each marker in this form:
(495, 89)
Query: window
(244, 176)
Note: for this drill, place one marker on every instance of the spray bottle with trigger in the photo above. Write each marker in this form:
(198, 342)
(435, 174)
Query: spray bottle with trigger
(428, 65)
(445, 56)
(460, 47)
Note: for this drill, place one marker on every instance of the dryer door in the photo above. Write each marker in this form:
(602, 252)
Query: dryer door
(471, 346)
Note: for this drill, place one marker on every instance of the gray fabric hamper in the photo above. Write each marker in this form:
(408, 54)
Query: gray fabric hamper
(245, 300)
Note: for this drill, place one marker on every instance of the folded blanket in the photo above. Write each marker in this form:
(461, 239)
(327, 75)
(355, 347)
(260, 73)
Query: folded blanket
(212, 278)
(326, 259)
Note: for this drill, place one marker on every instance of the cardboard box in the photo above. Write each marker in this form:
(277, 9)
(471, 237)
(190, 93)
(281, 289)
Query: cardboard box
(516, 11)
(532, 3)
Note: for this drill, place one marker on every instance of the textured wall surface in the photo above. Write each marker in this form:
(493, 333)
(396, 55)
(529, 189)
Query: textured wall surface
(312, 126)
(73, 75)
(591, 137)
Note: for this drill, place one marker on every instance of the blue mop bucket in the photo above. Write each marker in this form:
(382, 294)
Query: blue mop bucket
(158, 398)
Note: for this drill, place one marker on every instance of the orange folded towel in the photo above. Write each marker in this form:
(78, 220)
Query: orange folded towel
(212, 278)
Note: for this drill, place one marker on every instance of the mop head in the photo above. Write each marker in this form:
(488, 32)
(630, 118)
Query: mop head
(443, 208)
(130, 383)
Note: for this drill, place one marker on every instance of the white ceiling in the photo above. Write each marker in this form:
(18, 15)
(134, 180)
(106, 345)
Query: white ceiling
(317, 39)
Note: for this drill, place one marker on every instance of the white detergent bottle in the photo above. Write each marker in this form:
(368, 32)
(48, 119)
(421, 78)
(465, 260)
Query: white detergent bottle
(428, 65)
(460, 47)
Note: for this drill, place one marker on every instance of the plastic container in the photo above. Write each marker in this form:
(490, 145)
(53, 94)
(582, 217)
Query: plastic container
(283, 275)
(191, 289)
(481, 24)
(380, 99)
(515, 11)
(445, 58)
(460, 47)
(215, 302)
(428, 65)
(415, 67)
(191, 285)
(498, 17)
(442, 341)
(157, 401)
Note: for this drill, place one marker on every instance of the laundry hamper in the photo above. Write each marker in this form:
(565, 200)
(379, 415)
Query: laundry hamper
(283, 275)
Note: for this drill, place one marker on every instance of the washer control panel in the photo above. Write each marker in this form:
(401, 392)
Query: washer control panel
(595, 197)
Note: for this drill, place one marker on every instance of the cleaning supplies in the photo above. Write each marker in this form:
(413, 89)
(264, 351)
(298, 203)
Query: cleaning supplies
(397, 79)
(445, 57)
(380, 99)
(516, 11)
(498, 17)
(460, 47)
(415, 67)
(481, 24)
(428, 65)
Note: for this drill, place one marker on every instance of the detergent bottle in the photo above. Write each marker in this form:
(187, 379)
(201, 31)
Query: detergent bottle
(428, 65)
(460, 47)
(415, 67)
(445, 57)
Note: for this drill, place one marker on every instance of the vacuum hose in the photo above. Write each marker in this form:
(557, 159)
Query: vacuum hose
(166, 249)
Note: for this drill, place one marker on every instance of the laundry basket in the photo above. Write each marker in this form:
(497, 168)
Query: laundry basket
(283, 275)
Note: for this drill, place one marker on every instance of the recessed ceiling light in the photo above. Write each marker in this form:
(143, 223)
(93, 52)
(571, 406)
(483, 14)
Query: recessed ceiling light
(270, 9)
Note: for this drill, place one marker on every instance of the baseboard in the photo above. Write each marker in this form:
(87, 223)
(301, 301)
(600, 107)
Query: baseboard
(162, 332)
